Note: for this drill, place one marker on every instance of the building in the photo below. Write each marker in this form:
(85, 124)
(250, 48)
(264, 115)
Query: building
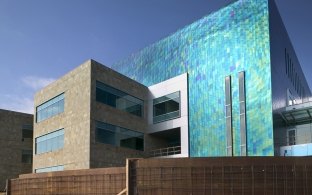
(242, 72)
(217, 87)
(95, 117)
(16, 135)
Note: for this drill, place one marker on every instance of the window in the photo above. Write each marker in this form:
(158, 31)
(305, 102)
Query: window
(286, 62)
(27, 156)
(118, 136)
(50, 142)
(290, 98)
(27, 132)
(242, 106)
(50, 108)
(166, 107)
(50, 169)
(228, 116)
(291, 137)
(118, 99)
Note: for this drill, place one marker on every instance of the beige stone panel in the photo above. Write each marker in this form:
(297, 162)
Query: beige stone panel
(75, 120)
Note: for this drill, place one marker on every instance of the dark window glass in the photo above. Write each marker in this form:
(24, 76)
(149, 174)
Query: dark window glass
(118, 99)
(292, 137)
(166, 107)
(27, 156)
(50, 142)
(228, 116)
(27, 131)
(286, 66)
(50, 108)
(118, 136)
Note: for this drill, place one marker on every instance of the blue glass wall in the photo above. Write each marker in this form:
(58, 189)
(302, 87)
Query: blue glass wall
(233, 39)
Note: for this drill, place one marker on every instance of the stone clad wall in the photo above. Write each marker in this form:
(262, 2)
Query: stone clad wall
(104, 155)
(12, 144)
(75, 120)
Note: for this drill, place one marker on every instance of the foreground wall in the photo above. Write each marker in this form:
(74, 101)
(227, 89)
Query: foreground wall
(180, 176)
(79, 182)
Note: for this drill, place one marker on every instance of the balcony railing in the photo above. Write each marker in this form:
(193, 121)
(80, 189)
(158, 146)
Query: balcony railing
(165, 151)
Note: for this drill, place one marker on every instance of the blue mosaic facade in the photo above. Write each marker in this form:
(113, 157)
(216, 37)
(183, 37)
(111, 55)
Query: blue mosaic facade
(233, 39)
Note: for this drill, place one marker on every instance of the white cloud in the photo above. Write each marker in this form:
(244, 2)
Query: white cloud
(17, 103)
(24, 101)
(37, 83)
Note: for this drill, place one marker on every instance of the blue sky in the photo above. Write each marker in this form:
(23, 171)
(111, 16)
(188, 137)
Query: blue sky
(41, 40)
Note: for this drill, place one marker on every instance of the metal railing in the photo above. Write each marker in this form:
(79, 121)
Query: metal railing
(165, 151)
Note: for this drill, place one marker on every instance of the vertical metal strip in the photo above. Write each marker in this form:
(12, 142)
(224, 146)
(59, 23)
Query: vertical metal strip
(228, 116)
(242, 106)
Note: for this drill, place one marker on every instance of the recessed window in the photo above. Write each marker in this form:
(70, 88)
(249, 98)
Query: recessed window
(118, 99)
(27, 132)
(50, 108)
(50, 142)
(118, 136)
(50, 169)
(166, 107)
(27, 156)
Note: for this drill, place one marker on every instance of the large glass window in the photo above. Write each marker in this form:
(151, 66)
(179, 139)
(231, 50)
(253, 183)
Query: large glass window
(50, 169)
(118, 99)
(118, 136)
(27, 132)
(50, 108)
(166, 107)
(50, 142)
(228, 116)
(27, 156)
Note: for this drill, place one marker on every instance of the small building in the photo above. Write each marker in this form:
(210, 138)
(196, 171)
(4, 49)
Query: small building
(16, 136)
